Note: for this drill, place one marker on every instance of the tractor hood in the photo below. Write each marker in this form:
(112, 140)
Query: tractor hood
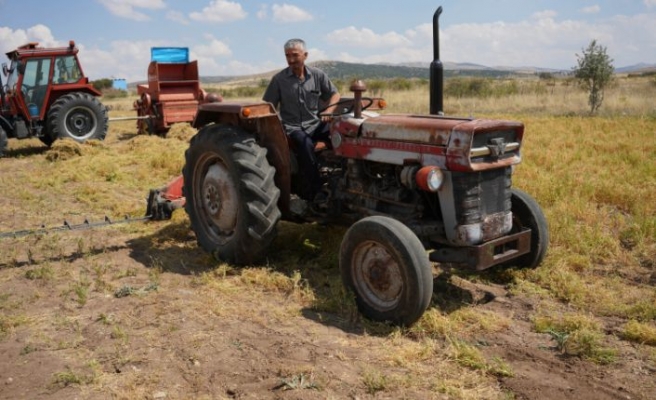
(457, 144)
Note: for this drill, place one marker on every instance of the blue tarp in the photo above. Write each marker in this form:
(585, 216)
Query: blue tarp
(120, 84)
(169, 54)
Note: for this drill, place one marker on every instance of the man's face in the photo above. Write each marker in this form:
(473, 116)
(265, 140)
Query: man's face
(295, 57)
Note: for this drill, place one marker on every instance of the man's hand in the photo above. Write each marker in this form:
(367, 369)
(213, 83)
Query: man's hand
(326, 114)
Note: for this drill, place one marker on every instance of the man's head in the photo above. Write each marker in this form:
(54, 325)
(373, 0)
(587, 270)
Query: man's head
(295, 53)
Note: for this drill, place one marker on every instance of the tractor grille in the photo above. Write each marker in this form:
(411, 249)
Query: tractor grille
(482, 139)
(479, 194)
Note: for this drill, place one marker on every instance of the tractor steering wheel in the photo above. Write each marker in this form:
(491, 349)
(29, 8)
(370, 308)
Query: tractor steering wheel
(27, 91)
(347, 107)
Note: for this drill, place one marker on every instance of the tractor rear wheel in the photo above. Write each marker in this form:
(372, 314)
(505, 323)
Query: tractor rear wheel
(3, 141)
(78, 116)
(385, 265)
(232, 200)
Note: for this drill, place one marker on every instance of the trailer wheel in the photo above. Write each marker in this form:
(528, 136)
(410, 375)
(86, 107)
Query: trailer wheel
(385, 265)
(3, 141)
(231, 195)
(78, 116)
(528, 214)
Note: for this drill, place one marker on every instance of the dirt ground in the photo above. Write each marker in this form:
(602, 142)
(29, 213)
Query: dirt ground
(255, 347)
(141, 312)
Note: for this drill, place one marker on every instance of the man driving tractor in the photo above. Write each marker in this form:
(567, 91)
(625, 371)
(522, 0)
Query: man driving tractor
(297, 92)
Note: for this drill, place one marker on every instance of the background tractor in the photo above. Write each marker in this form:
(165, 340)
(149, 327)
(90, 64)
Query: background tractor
(47, 96)
(413, 189)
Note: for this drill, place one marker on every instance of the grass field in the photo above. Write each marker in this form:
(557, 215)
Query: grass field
(138, 311)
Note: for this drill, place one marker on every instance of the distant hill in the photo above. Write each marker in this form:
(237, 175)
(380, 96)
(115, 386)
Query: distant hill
(346, 71)
(637, 68)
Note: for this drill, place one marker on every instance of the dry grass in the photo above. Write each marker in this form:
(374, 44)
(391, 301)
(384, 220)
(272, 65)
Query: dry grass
(117, 299)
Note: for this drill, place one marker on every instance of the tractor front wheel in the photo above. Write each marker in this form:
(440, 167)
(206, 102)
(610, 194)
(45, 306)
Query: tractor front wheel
(232, 200)
(78, 116)
(385, 265)
(528, 214)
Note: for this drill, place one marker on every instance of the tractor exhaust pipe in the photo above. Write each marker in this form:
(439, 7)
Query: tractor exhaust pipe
(436, 70)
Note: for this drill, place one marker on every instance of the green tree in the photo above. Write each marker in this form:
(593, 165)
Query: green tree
(594, 72)
(104, 83)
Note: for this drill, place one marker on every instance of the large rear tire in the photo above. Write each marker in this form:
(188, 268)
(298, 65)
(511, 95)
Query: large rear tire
(231, 194)
(385, 265)
(528, 214)
(78, 116)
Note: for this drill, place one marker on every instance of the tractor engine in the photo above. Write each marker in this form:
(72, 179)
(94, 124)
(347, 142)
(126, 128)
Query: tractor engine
(373, 188)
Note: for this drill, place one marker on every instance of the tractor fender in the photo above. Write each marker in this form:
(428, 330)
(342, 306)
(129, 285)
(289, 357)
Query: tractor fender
(57, 92)
(260, 119)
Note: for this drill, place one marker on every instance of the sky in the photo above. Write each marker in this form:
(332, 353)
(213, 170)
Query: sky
(241, 37)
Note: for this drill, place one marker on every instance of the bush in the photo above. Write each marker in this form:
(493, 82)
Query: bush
(102, 84)
(114, 93)
(467, 87)
(242, 91)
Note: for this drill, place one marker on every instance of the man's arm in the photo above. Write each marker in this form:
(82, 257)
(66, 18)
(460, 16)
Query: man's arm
(272, 93)
(334, 98)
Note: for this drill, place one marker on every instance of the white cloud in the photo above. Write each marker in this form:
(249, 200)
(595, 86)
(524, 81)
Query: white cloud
(212, 48)
(366, 38)
(650, 3)
(289, 13)
(178, 17)
(541, 41)
(126, 8)
(592, 9)
(208, 66)
(101, 63)
(11, 39)
(423, 31)
(314, 55)
(545, 14)
(220, 11)
(263, 12)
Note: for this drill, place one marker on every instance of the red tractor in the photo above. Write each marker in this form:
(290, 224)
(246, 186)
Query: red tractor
(414, 189)
(47, 96)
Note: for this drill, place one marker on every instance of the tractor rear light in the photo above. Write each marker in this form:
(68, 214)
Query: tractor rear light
(245, 112)
(429, 179)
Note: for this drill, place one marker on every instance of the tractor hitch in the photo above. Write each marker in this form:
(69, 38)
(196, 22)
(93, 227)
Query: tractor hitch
(163, 201)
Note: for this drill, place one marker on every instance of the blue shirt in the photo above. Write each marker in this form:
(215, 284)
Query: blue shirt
(298, 101)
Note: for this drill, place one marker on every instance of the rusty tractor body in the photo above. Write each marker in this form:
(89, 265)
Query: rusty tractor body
(46, 95)
(173, 91)
(413, 189)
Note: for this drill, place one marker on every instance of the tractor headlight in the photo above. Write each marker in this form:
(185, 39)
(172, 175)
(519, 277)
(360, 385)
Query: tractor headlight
(429, 179)
(336, 140)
